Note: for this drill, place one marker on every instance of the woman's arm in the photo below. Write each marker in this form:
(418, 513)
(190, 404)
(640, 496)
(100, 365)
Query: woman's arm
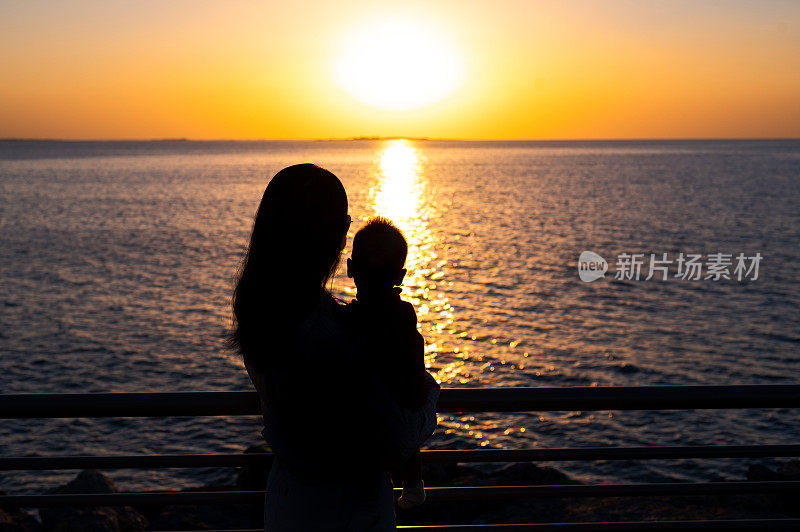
(326, 410)
(334, 431)
(398, 432)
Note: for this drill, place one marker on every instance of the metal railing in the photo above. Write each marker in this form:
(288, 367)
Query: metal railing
(451, 400)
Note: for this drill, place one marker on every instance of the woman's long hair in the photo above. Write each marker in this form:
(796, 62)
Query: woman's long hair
(294, 250)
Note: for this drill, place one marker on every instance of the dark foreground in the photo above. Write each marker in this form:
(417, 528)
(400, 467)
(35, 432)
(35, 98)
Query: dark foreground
(474, 512)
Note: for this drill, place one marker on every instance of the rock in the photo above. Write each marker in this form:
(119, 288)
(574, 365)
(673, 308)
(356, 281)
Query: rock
(87, 520)
(627, 368)
(524, 473)
(91, 518)
(178, 518)
(89, 481)
(460, 475)
(438, 474)
(759, 472)
(208, 517)
(130, 519)
(16, 521)
(790, 470)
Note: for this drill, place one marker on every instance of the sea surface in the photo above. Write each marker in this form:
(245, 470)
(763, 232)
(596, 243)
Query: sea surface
(117, 261)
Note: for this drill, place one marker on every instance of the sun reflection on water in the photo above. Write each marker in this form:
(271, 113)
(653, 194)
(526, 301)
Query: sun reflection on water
(400, 196)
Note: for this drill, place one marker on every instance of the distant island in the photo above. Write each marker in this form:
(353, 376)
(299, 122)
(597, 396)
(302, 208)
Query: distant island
(380, 138)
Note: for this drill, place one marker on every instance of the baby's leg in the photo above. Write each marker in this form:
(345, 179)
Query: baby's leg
(412, 472)
(413, 489)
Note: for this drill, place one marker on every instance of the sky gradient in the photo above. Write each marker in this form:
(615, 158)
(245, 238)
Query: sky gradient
(531, 70)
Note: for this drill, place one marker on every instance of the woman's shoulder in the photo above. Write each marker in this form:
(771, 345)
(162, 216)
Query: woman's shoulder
(327, 313)
(325, 326)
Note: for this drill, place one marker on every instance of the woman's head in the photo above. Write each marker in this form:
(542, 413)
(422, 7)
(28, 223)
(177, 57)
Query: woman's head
(298, 235)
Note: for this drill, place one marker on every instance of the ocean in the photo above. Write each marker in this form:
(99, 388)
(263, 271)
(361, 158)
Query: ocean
(117, 262)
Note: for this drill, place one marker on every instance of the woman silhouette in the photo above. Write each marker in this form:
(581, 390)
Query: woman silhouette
(326, 417)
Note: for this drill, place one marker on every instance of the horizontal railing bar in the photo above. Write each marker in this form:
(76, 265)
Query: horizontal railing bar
(432, 494)
(148, 404)
(623, 526)
(159, 461)
(168, 498)
(609, 453)
(594, 398)
(607, 490)
(451, 400)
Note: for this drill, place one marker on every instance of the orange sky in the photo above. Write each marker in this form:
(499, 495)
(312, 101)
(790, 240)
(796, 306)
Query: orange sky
(531, 70)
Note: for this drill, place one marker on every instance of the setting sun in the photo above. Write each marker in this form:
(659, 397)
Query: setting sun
(398, 65)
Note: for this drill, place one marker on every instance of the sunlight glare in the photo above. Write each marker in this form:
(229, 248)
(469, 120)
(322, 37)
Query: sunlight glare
(398, 65)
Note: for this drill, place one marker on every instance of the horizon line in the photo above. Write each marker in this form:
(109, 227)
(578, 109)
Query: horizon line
(388, 137)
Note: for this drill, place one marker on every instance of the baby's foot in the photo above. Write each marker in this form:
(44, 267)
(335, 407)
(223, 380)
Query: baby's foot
(412, 496)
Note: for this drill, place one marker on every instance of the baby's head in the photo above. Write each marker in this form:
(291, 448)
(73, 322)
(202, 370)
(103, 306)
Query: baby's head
(379, 253)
